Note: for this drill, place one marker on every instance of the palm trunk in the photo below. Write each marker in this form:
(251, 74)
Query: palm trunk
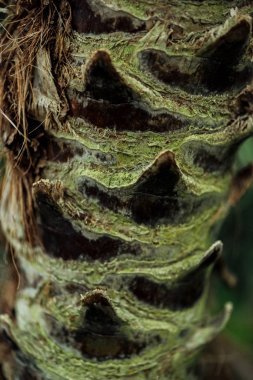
(120, 119)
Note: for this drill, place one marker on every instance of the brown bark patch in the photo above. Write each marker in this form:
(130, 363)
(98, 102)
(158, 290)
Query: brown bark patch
(183, 294)
(61, 240)
(92, 16)
(108, 102)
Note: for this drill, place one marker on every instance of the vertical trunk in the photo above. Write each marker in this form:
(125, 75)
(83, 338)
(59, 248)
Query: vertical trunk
(120, 119)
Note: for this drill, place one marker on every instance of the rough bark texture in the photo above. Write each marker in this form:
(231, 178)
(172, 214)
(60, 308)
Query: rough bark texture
(120, 119)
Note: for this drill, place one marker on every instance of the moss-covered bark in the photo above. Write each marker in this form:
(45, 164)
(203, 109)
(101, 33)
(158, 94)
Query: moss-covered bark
(120, 119)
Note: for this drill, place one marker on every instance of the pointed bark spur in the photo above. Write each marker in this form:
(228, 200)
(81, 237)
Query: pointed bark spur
(119, 138)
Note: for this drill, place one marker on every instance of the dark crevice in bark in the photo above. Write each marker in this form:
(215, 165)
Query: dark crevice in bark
(229, 48)
(101, 335)
(96, 346)
(23, 367)
(183, 294)
(210, 158)
(196, 75)
(108, 102)
(26, 369)
(243, 104)
(61, 150)
(214, 68)
(179, 297)
(2, 376)
(30, 374)
(61, 240)
(104, 82)
(92, 16)
(8, 341)
(159, 196)
(104, 347)
(212, 162)
(100, 318)
(126, 117)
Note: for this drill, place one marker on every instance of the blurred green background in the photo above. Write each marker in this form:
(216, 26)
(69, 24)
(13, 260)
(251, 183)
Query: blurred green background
(236, 233)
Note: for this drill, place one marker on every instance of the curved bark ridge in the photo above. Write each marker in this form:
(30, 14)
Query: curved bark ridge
(157, 197)
(135, 140)
(108, 102)
(215, 68)
(96, 17)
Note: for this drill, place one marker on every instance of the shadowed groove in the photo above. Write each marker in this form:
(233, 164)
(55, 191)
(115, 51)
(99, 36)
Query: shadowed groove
(211, 158)
(229, 47)
(214, 68)
(92, 16)
(103, 82)
(183, 294)
(25, 368)
(61, 240)
(195, 75)
(243, 104)
(101, 334)
(159, 195)
(102, 328)
(108, 102)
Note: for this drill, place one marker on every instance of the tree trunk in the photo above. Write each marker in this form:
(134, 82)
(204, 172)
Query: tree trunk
(120, 120)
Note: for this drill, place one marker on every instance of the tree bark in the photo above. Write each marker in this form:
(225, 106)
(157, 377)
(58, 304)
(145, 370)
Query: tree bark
(120, 121)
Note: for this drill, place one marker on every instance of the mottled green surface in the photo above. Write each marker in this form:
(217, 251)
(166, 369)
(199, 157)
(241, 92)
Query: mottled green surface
(212, 118)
